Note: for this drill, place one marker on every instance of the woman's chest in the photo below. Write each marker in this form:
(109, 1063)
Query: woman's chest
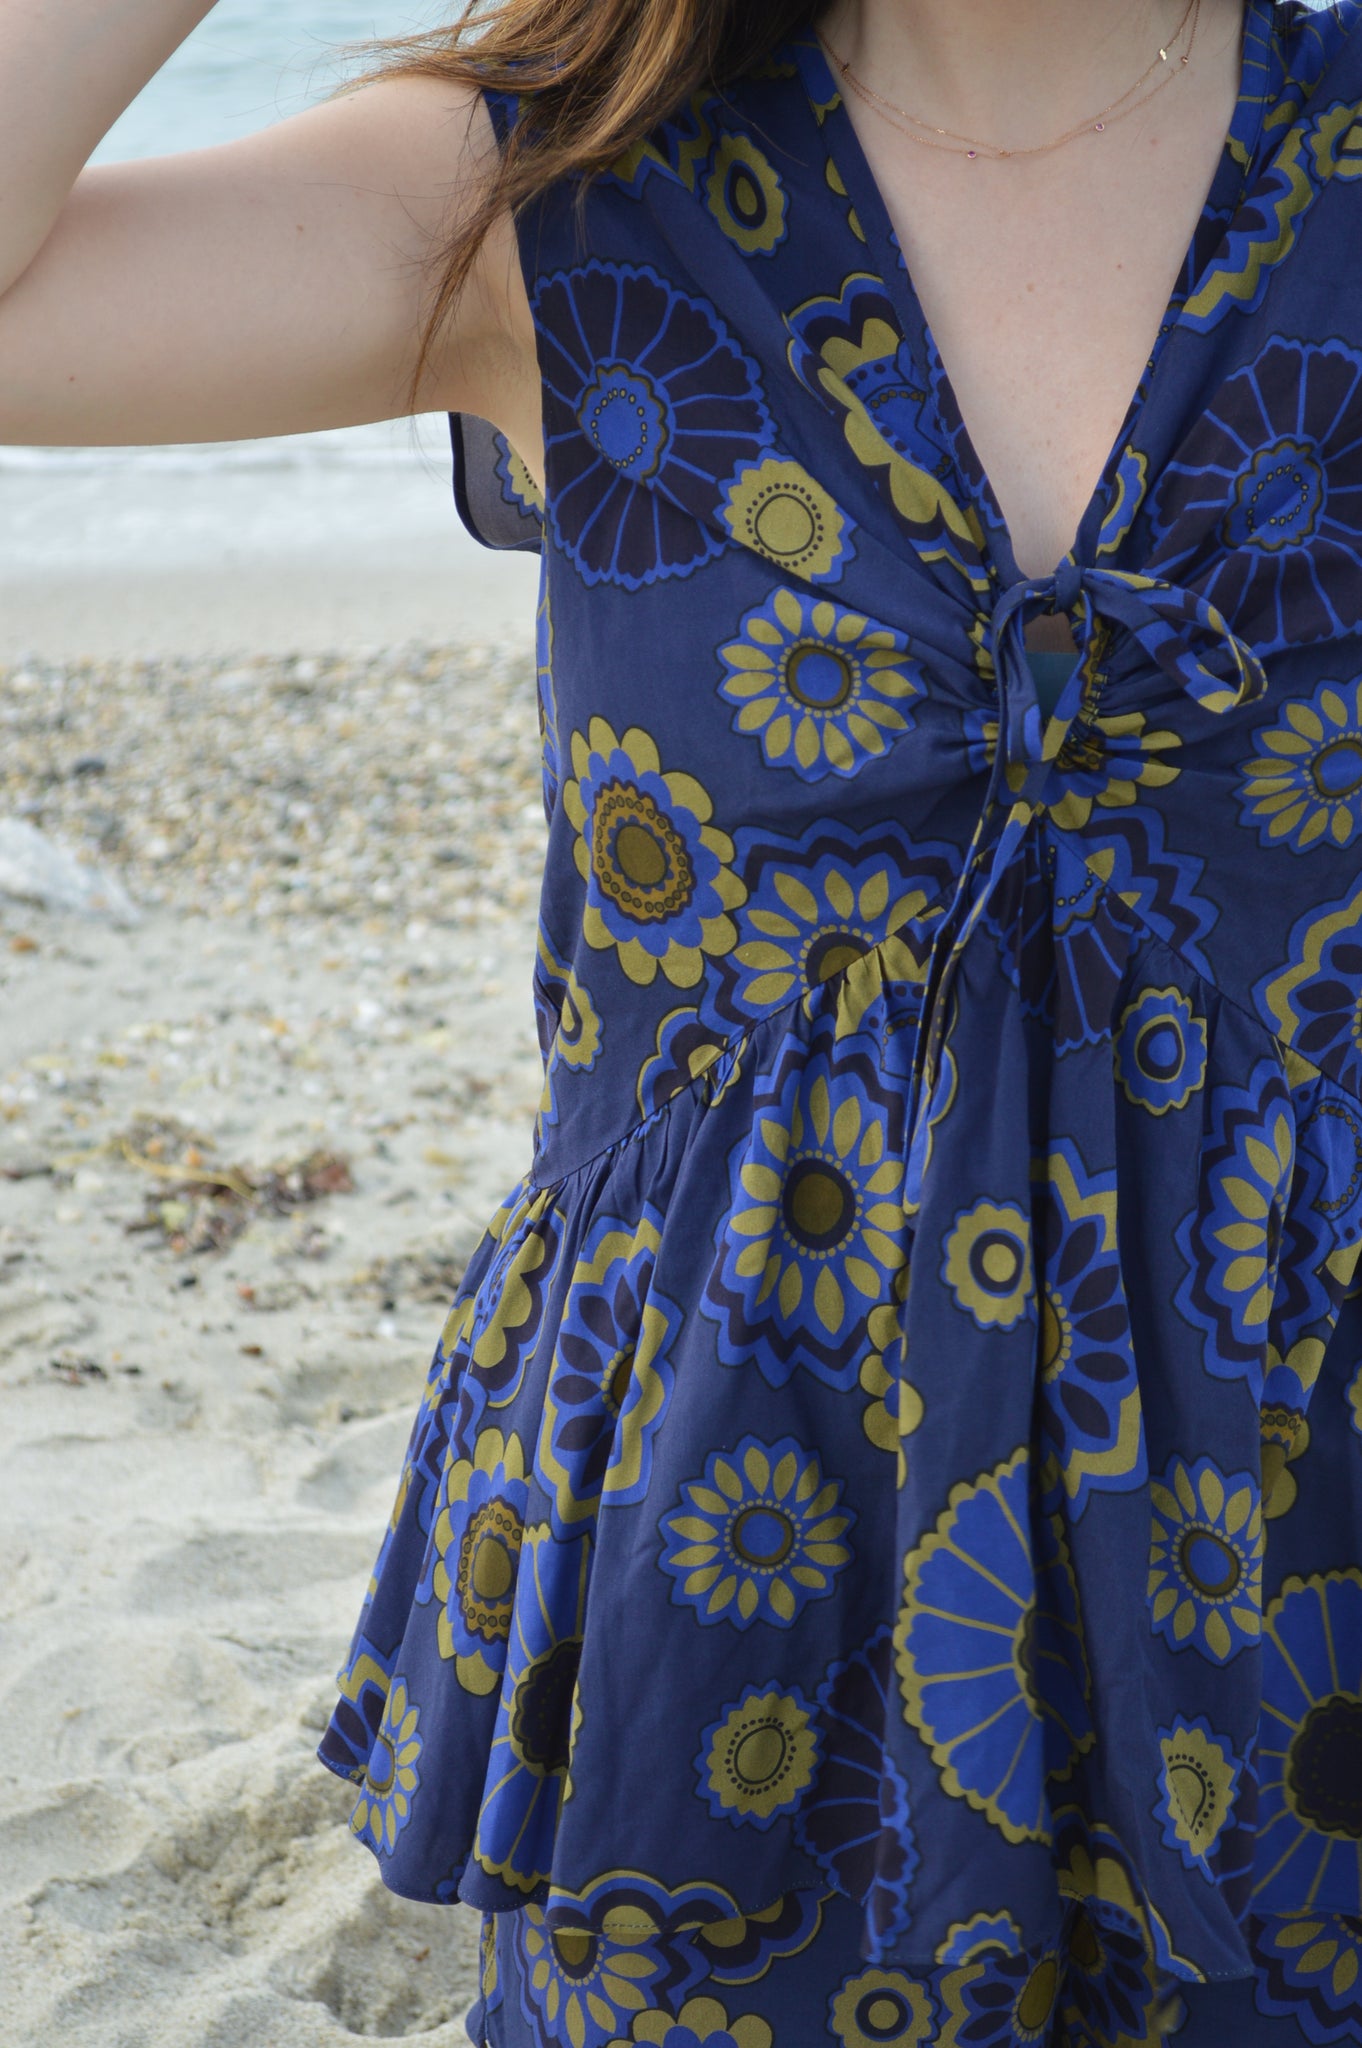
(1045, 284)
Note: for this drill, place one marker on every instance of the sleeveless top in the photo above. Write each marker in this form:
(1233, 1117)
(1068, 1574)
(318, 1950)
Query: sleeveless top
(904, 1435)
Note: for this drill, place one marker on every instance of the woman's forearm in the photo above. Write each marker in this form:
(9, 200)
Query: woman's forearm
(68, 68)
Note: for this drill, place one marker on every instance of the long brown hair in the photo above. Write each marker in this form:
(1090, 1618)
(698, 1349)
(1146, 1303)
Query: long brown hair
(594, 77)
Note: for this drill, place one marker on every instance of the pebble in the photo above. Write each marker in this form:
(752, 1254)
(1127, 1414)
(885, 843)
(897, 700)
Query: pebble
(388, 787)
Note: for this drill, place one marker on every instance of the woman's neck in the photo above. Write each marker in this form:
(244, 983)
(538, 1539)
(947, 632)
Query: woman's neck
(1011, 72)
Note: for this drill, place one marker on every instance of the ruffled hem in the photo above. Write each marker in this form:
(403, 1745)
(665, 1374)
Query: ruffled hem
(704, 1585)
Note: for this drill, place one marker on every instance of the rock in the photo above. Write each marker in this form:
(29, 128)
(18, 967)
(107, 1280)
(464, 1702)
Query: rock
(36, 869)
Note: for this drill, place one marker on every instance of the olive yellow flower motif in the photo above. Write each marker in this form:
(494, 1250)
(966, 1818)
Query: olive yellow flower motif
(1310, 1805)
(1197, 1787)
(759, 1757)
(1107, 759)
(392, 1778)
(1206, 1560)
(746, 197)
(988, 1264)
(659, 887)
(778, 510)
(584, 1986)
(758, 1535)
(817, 1227)
(895, 1408)
(882, 2009)
(1285, 1437)
(699, 2020)
(477, 1538)
(825, 689)
(1304, 788)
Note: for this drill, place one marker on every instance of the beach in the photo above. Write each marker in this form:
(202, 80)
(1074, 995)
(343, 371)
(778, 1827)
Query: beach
(253, 1117)
(269, 734)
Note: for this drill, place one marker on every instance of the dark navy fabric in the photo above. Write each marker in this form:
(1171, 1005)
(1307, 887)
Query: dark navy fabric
(889, 1490)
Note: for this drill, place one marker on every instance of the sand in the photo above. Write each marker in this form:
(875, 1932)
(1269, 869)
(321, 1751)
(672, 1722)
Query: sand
(204, 1399)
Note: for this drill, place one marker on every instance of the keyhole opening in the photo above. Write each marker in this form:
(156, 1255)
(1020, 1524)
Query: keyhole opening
(1051, 633)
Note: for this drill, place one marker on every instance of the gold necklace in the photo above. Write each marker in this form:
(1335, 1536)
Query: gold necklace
(897, 115)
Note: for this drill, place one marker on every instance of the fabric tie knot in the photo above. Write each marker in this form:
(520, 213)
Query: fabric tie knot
(1068, 583)
(1180, 632)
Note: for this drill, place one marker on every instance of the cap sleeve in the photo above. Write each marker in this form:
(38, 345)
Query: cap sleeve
(497, 498)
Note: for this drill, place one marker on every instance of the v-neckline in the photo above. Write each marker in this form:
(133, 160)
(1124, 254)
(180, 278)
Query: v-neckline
(847, 159)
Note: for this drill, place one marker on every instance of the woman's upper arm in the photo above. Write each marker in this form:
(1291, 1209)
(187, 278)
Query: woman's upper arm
(272, 285)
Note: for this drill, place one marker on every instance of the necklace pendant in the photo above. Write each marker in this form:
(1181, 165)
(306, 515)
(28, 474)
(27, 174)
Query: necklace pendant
(1099, 126)
(971, 152)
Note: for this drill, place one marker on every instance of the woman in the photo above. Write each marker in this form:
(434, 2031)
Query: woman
(878, 1557)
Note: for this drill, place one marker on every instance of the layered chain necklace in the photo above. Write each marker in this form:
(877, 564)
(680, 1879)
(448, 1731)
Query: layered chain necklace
(970, 146)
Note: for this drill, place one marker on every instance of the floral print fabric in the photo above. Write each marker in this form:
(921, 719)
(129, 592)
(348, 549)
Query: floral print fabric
(882, 1538)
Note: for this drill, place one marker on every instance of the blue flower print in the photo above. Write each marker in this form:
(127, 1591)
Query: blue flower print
(851, 351)
(1128, 851)
(824, 689)
(474, 1556)
(1206, 1559)
(649, 408)
(817, 904)
(364, 1682)
(1314, 1003)
(612, 1374)
(856, 1822)
(981, 1934)
(1119, 1961)
(990, 1655)
(759, 1756)
(1308, 1967)
(678, 149)
(569, 1026)
(584, 1988)
(1064, 935)
(1159, 1055)
(528, 1761)
(659, 887)
(986, 1264)
(1090, 1404)
(876, 2008)
(392, 1776)
(744, 193)
(1112, 1992)
(777, 510)
(1310, 1746)
(1001, 1998)
(1198, 1785)
(742, 1948)
(1262, 510)
(686, 1049)
(1262, 234)
(815, 1233)
(756, 1537)
(701, 2023)
(1304, 787)
(1232, 1239)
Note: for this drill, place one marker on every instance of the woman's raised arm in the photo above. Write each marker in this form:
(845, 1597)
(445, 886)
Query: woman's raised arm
(271, 285)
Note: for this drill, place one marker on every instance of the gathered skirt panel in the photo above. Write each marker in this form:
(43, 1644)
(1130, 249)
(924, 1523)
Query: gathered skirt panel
(794, 1977)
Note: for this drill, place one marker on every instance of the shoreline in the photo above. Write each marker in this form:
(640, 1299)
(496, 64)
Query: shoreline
(123, 560)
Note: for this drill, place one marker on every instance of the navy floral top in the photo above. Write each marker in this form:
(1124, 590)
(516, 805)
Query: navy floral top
(904, 1436)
